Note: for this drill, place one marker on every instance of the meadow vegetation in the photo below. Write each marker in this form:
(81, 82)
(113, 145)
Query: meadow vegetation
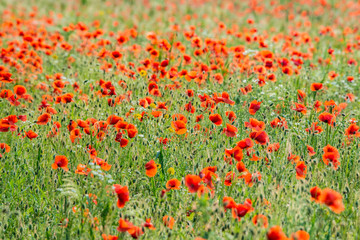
(179, 119)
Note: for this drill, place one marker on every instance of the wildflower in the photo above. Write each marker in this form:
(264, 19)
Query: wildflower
(327, 118)
(332, 199)
(301, 170)
(316, 87)
(193, 183)
(331, 154)
(235, 153)
(300, 235)
(171, 171)
(311, 151)
(216, 119)
(315, 193)
(179, 127)
(260, 137)
(254, 107)
(300, 108)
(276, 233)
(230, 130)
(148, 224)
(122, 194)
(60, 162)
(168, 221)
(151, 168)
(255, 125)
(314, 128)
(228, 203)
(31, 135)
(43, 119)
(173, 184)
(260, 219)
(245, 143)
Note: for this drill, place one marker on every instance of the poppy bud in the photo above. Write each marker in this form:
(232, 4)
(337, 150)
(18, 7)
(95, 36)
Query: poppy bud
(163, 193)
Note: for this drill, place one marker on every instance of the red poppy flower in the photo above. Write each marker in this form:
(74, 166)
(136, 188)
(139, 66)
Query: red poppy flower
(60, 162)
(102, 163)
(245, 143)
(81, 169)
(315, 193)
(293, 158)
(327, 118)
(240, 166)
(190, 92)
(331, 154)
(301, 170)
(279, 122)
(168, 221)
(332, 75)
(311, 151)
(230, 176)
(247, 89)
(67, 98)
(316, 86)
(109, 237)
(276, 233)
(260, 137)
(228, 203)
(216, 119)
(230, 130)
(250, 179)
(43, 119)
(131, 130)
(6, 93)
(5, 147)
(273, 147)
(352, 130)
(173, 184)
(156, 114)
(299, 108)
(231, 116)
(151, 168)
(122, 194)
(254, 107)
(332, 199)
(75, 134)
(301, 95)
(331, 157)
(190, 108)
(255, 124)
(193, 183)
(148, 224)
(314, 128)
(300, 235)
(180, 117)
(30, 134)
(124, 225)
(179, 127)
(235, 152)
(19, 90)
(113, 119)
(116, 54)
(135, 232)
(260, 219)
(240, 210)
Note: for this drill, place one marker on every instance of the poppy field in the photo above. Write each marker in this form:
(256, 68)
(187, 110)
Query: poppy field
(177, 119)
